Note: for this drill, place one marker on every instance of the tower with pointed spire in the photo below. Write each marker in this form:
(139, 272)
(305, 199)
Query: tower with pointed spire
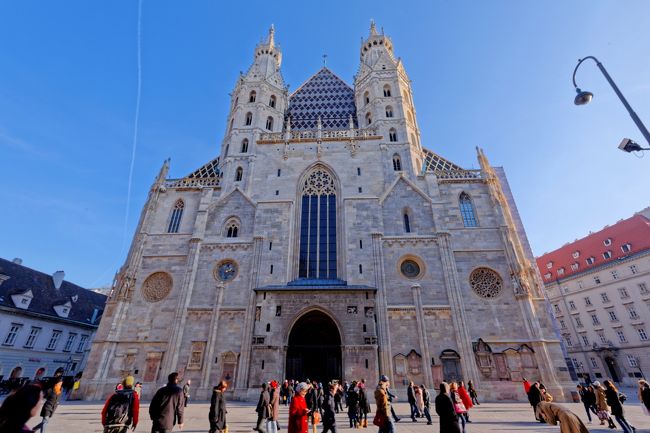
(327, 242)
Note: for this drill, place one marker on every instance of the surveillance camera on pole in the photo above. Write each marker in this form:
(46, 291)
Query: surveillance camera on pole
(629, 146)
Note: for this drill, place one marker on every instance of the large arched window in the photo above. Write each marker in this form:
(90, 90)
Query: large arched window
(252, 96)
(177, 214)
(318, 227)
(249, 119)
(392, 135)
(232, 228)
(269, 123)
(397, 163)
(244, 145)
(239, 174)
(467, 210)
(272, 101)
(389, 111)
(387, 91)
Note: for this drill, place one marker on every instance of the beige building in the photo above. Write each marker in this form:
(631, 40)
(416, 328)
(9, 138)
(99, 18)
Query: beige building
(599, 289)
(327, 242)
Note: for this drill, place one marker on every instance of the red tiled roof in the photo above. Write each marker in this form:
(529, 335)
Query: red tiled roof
(634, 231)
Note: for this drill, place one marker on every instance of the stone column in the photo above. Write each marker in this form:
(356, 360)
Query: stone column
(381, 310)
(422, 333)
(463, 339)
(212, 336)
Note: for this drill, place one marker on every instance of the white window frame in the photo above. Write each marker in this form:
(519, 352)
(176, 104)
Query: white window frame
(10, 339)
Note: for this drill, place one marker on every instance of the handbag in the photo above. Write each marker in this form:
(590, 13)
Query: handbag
(459, 407)
(379, 420)
(316, 418)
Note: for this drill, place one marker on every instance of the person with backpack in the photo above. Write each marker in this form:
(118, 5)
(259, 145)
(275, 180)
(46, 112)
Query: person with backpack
(52, 394)
(167, 406)
(121, 409)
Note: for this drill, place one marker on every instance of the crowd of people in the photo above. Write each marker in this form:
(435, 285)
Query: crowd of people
(312, 404)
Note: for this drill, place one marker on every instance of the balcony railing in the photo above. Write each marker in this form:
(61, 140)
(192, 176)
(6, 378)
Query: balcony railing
(193, 182)
(311, 135)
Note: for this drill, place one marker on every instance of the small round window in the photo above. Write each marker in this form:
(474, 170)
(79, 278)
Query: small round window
(410, 268)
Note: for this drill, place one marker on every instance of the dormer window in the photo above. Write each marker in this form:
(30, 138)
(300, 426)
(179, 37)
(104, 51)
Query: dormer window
(626, 248)
(63, 310)
(607, 255)
(607, 242)
(590, 260)
(547, 275)
(560, 271)
(22, 300)
(549, 265)
(575, 266)
(576, 254)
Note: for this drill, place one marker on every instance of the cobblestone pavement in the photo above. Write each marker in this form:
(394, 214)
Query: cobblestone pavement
(81, 417)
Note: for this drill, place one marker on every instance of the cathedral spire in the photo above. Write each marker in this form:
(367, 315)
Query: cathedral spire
(271, 38)
(373, 28)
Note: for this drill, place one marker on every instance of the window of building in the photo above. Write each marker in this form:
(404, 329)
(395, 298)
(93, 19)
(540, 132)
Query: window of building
(621, 336)
(612, 315)
(33, 335)
(567, 338)
(82, 344)
(562, 324)
(549, 265)
(601, 336)
(368, 119)
(272, 101)
(590, 260)
(54, 339)
(597, 279)
(278, 310)
(623, 293)
(70, 342)
(614, 274)
(634, 269)
(594, 320)
(607, 242)
(271, 270)
(560, 271)
(196, 355)
(576, 254)
(397, 163)
(607, 255)
(604, 297)
(358, 171)
(392, 135)
(269, 123)
(585, 340)
(642, 334)
(547, 275)
(387, 91)
(467, 210)
(643, 288)
(176, 216)
(557, 308)
(249, 119)
(366, 98)
(10, 339)
(360, 244)
(572, 305)
(407, 223)
(594, 363)
(581, 285)
(317, 258)
(239, 174)
(632, 311)
(244, 145)
(587, 300)
(389, 111)
(575, 266)
(232, 229)
(360, 268)
(626, 248)
(578, 322)
(252, 96)
(632, 361)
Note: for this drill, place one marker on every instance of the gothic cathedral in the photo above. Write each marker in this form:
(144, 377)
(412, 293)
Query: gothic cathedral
(326, 242)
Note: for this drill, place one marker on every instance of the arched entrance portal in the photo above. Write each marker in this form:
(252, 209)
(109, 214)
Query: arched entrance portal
(314, 350)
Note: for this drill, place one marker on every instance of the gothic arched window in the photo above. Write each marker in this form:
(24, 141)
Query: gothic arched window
(407, 222)
(397, 163)
(252, 96)
(269, 123)
(467, 210)
(232, 228)
(389, 111)
(366, 98)
(244, 145)
(249, 119)
(177, 214)
(239, 174)
(317, 257)
(387, 91)
(392, 135)
(368, 118)
(272, 101)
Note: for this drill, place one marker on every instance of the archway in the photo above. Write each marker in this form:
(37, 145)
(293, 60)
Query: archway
(613, 368)
(314, 350)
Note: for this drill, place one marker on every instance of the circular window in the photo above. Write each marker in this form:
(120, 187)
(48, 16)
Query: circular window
(226, 270)
(157, 286)
(410, 268)
(485, 282)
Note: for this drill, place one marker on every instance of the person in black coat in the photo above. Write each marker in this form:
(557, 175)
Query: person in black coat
(352, 400)
(167, 406)
(262, 409)
(588, 399)
(217, 415)
(446, 412)
(534, 397)
(330, 409)
(52, 395)
(645, 396)
(614, 402)
(410, 394)
(392, 397)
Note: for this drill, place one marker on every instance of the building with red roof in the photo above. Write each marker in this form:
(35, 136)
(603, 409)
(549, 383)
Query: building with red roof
(598, 287)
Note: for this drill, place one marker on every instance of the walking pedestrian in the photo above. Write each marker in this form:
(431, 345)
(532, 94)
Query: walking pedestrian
(644, 396)
(459, 407)
(167, 406)
(330, 409)
(614, 401)
(352, 399)
(426, 403)
(382, 417)
(52, 395)
(569, 421)
(138, 389)
(534, 397)
(272, 425)
(526, 384)
(410, 395)
(465, 398)
(472, 393)
(588, 400)
(364, 404)
(446, 412)
(601, 406)
(19, 407)
(338, 398)
(186, 391)
(121, 409)
(262, 409)
(298, 411)
(392, 397)
(217, 414)
(419, 400)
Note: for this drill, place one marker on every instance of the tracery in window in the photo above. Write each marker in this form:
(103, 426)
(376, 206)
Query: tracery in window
(239, 174)
(269, 123)
(485, 282)
(249, 119)
(252, 96)
(397, 163)
(389, 111)
(272, 101)
(392, 135)
(387, 91)
(467, 210)
(232, 228)
(176, 216)
(317, 257)
(244, 145)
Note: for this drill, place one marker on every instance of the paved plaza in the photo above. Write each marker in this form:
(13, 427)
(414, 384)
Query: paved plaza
(81, 417)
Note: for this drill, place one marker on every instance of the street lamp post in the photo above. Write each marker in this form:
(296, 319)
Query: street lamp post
(584, 97)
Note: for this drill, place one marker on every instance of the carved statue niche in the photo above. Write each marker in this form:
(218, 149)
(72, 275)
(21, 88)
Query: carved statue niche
(483, 354)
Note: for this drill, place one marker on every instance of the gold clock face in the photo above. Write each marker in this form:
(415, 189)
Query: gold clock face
(226, 270)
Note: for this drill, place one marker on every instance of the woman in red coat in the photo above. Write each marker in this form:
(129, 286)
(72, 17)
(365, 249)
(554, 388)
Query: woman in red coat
(465, 398)
(298, 411)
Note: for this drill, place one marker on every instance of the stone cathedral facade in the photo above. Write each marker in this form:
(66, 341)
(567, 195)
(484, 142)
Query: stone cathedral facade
(327, 242)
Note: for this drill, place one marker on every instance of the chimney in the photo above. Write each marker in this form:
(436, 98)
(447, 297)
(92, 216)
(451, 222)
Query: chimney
(18, 261)
(57, 278)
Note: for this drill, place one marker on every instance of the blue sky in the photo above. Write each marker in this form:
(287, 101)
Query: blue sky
(495, 74)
